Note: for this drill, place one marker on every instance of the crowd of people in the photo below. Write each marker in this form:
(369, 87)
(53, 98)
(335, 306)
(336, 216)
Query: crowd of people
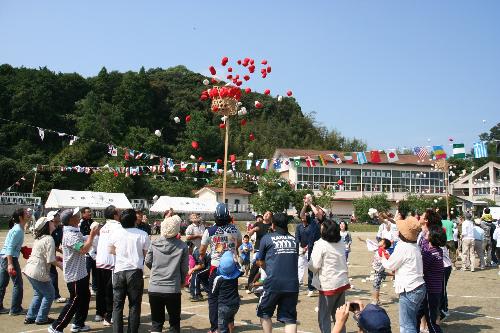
(107, 260)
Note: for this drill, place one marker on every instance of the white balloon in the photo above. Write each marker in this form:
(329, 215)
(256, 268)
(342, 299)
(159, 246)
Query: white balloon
(206, 82)
(484, 120)
(158, 133)
(250, 154)
(428, 140)
(239, 104)
(177, 120)
(192, 157)
(155, 197)
(280, 98)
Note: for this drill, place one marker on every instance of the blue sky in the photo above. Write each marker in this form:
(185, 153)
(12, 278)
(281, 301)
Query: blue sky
(393, 73)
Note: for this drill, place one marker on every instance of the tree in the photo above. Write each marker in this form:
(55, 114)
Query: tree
(298, 198)
(325, 198)
(362, 205)
(275, 194)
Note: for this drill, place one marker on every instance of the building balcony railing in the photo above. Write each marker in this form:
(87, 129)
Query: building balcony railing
(240, 208)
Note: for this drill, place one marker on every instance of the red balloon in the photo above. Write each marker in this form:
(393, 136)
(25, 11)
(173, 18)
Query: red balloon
(212, 70)
(243, 122)
(340, 182)
(264, 75)
(188, 118)
(215, 108)
(267, 92)
(203, 97)
(194, 144)
(200, 159)
(268, 69)
(230, 69)
(222, 125)
(264, 62)
(219, 161)
(289, 93)
(224, 61)
(246, 77)
(232, 158)
(251, 68)
(251, 61)
(258, 104)
(239, 83)
(214, 80)
(251, 137)
(229, 77)
(239, 62)
(248, 90)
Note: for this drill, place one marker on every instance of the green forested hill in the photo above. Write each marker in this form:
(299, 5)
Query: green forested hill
(125, 109)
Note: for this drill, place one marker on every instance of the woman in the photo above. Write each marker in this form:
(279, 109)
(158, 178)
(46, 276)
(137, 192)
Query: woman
(431, 241)
(37, 270)
(346, 239)
(9, 263)
(406, 261)
(330, 273)
(168, 259)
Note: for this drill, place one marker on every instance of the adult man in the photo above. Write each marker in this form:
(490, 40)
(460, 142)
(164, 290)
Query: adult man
(260, 229)
(450, 243)
(105, 263)
(281, 286)
(85, 223)
(75, 274)
(488, 227)
(468, 243)
(57, 235)
(306, 234)
(222, 236)
(195, 230)
(479, 237)
(130, 246)
(141, 224)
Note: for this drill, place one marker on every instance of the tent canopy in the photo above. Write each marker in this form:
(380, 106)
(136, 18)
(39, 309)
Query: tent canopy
(94, 200)
(183, 205)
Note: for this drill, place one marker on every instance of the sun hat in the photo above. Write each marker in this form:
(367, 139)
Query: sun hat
(409, 228)
(52, 214)
(374, 319)
(171, 226)
(227, 267)
(41, 222)
(68, 213)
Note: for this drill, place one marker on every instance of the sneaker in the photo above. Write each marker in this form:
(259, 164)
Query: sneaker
(106, 323)
(18, 313)
(61, 300)
(6, 310)
(310, 293)
(29, 321)
(50, 329)
(84, 328)
(45, 322)
(472, 269)
(98, 318)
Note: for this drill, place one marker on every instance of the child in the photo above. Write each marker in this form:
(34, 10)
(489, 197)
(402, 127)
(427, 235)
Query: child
(192, 262)
(245, 249)
(380, 274)
(257, 285)
(225, 288)
(346, 238)
(199, 276)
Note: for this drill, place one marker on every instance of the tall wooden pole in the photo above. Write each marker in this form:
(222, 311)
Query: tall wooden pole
(34, 181)
(447, 182)
(226, 146)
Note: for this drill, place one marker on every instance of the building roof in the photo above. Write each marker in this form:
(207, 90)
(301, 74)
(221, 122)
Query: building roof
(229, 190)
(404, 159)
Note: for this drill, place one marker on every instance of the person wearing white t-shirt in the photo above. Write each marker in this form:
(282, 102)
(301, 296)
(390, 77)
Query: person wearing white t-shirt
(468, 243)
(496, 237)
(129, 245)
(195, 230)
(105, 263)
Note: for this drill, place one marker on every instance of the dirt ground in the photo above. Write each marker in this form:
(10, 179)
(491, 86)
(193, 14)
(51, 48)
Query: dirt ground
(474, 302)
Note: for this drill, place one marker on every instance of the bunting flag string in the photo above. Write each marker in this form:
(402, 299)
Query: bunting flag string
(19, 181)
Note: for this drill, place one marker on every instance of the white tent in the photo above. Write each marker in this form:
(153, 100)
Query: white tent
(94, 200)
(183, 205)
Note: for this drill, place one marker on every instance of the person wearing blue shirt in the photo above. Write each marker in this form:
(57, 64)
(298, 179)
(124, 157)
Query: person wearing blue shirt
(306, 234)
(278, 251)
(9, 263)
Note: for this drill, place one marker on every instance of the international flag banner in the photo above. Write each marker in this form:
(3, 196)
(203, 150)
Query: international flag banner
(322, 160)
(439, 152)
(480, 150)
(249, 164)
(296, 161)
(392, 156)
(202, 167)
(277, 164)
(375, 156)
(336, 158)
(310, 162)
(41, 132)
(458, 150)
(421, 152)
(112, 150)
(138, 156)
(361, 157)
(257, 164)
(265, 164)
(348, 158)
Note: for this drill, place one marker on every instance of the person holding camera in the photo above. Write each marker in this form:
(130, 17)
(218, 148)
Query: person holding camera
(370, 319)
